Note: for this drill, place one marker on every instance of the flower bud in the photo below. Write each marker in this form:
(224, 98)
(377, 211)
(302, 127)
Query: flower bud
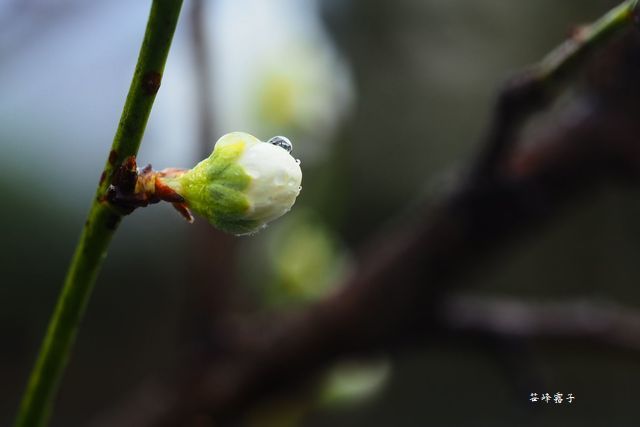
(243, 185)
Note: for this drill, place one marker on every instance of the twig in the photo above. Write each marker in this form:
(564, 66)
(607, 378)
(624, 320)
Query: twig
(102, 219)
(508, 327)
(562, 60)
(531, 90)
(606, 323)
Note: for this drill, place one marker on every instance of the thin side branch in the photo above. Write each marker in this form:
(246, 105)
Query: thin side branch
(562, 60)
(605, 323)
(533, 89)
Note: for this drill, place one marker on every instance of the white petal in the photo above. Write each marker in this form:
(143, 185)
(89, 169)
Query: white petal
(276, 178)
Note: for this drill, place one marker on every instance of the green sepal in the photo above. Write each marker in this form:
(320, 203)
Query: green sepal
(216, 189)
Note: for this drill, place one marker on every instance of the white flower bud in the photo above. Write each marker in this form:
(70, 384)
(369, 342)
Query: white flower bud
(244, 184)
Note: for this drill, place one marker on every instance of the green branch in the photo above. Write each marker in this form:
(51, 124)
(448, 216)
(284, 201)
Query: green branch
(102, 220)
(565, 57)
(535, 88)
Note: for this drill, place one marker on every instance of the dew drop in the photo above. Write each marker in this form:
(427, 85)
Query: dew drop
(298, 161)
(282, 142)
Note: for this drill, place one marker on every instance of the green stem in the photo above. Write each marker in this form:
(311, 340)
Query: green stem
(559, 62)
(102, 221)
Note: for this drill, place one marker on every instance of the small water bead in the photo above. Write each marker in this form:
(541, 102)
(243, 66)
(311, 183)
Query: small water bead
(298, 161)
(282, 142)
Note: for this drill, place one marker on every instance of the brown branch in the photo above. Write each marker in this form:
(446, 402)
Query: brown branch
(599, 322)
(507, 329)
(391, 301)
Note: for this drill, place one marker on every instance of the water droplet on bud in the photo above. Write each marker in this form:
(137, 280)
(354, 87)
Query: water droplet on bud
(281, 142)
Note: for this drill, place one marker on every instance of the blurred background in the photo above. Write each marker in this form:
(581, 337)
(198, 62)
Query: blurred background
(384, 102)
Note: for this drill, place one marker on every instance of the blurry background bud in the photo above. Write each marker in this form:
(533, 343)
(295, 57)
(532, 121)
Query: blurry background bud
(305, 260)
(278, 73)
(243, 185)
(346, 383)
(351, 382)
